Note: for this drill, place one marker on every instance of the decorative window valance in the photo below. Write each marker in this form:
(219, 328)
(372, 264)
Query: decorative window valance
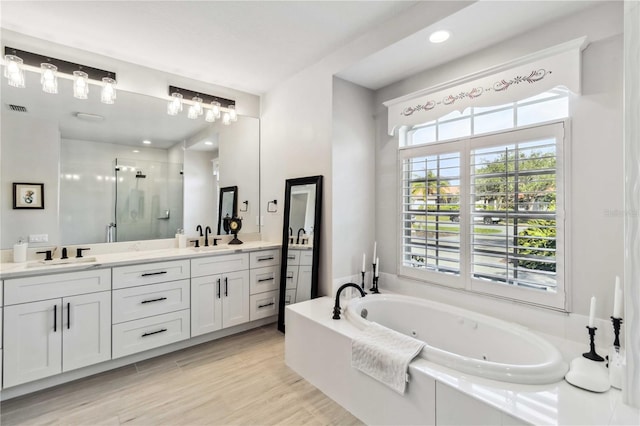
(509, 82)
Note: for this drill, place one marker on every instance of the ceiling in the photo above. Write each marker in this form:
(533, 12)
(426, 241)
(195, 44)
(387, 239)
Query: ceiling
(254, 45)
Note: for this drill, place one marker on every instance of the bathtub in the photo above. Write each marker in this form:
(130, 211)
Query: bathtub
(463, 340)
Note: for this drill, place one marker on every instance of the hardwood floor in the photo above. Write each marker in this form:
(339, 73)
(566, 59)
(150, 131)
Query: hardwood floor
(237, 380)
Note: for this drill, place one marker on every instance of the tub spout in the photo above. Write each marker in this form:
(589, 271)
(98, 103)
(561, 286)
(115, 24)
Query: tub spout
(336, 307)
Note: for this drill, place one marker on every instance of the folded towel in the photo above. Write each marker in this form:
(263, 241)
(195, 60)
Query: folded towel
(384, 354)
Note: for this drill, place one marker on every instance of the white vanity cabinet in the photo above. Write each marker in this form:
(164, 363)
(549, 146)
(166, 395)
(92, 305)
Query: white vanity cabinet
(265, 281)
(1, 292)
(150, 306)
(55, 323)
(299, 276)
(219, 292)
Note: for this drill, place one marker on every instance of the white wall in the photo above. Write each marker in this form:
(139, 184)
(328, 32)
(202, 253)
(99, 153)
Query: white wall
(31, 158)
(353, 177)
(596, 161)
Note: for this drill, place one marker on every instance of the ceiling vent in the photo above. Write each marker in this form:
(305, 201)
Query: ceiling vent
(17, 108)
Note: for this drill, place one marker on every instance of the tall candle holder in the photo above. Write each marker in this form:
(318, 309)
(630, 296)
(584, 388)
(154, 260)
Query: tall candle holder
(374, 285)
(616, 358)
(592, 355)
(616, 331)
(362, 283)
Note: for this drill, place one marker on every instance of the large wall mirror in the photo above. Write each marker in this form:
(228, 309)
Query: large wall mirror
(300, 242)
(105, 174)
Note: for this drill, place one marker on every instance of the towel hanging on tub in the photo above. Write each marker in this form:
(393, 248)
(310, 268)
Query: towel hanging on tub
(384, 354)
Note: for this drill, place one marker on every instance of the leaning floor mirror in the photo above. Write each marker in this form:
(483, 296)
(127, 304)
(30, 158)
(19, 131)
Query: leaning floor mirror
(300, 242)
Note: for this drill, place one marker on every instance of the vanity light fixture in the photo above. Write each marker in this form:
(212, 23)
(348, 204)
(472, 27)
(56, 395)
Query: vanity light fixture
(439, 36)
(49, 78)
(80, 84)
(17, 61)
(213, 107)
(14, 70)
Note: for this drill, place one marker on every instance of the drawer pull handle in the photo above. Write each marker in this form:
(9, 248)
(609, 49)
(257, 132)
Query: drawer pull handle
(154, 300)
(148, 274)
(291, 257)
(290, 277)
(218, 293)
(68, 315)
(55, 318)
(265, 305)
(260, 259)
(261, 280)
(154, 332)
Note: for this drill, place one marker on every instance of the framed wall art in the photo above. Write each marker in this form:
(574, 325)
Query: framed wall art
(28, 195)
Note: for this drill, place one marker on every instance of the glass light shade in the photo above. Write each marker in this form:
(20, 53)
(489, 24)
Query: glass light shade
(80, 84)
(210, 116)
(13, 70)
(215, 107)
(192, 113)
(49, 78)
(198, 105)
(108, 95)
(226, 118)
(232, 113)
(175, 104)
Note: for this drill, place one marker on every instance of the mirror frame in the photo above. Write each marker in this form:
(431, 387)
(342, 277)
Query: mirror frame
(290, 183)
(234, 190)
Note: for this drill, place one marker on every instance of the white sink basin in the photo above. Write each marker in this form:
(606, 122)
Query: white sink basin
(71, 260)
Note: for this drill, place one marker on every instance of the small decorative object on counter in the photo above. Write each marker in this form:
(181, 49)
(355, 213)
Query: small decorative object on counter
(20, 251)
(235, 224)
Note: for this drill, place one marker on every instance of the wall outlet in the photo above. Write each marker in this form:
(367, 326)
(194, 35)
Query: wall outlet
(39, 238)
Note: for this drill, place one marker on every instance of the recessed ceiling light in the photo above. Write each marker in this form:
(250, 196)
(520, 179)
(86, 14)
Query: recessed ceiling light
(208, 143)
(146, 142)
(439, 36)
(135, 151)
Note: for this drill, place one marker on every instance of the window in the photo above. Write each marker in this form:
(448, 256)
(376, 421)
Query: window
(485, 213)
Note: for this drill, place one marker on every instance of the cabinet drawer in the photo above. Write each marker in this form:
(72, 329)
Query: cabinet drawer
(148, 333)
(293, 257)
(263, 305)
(148, 300)
(264, 279)
(306, 257)
(150, 273)
(292, 277)
(260, 259)
(31, 289)
(219, 264)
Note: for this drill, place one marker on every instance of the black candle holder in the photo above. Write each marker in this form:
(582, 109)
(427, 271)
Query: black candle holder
(362, 283)
(616, 331)
(374, 287)
(592, 355)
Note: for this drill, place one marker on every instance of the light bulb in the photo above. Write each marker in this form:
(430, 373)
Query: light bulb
(108, 95)
(215, 107)
(226, 119)
(197, 104)
(175, 104)
(49, 79)
(13, 71)
(210, 116)
(80, 84)
(192, 113)
(232, 113)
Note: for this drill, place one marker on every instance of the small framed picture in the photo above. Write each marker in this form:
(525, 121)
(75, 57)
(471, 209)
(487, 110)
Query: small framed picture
(28, 195)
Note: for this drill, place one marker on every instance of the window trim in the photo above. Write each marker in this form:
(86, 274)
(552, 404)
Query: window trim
(558, 300)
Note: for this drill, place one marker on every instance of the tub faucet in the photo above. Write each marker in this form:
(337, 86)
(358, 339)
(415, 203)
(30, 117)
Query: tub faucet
(336, 307)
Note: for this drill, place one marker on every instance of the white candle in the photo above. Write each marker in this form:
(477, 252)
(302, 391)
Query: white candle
(377, 266)
(363, 260)
(375, 249)
(617, 300)
(592, 311)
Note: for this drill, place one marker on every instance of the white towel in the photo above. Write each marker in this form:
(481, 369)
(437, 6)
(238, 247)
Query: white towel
(384, 354)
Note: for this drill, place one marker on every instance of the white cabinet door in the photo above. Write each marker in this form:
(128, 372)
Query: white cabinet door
(32, 341)
(86, 330)
(303, 291)
(206, 304)
(235, 299)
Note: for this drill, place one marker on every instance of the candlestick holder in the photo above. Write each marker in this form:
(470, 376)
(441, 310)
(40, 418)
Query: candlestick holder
(362, 284)
(592, 355)
(374, 287)
(616, 331)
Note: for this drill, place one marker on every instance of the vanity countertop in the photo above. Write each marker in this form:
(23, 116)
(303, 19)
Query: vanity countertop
(107, 260)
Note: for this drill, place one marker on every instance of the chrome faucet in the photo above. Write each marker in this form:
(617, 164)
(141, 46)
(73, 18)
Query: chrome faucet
(336, 307)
